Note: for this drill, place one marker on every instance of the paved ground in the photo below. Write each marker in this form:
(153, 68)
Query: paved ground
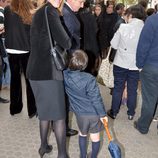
(19, 135)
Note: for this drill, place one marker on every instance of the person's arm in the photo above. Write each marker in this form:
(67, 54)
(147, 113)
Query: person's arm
(116, 39)
(144, 44)
(57, 30)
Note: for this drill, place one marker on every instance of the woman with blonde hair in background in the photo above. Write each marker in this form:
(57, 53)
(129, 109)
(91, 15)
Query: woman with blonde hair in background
(46, 81)
(18, 18)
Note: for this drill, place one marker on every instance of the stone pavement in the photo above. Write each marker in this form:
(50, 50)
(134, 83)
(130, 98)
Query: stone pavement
(19, 135)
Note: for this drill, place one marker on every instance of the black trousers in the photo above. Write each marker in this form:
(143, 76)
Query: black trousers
(18, 64)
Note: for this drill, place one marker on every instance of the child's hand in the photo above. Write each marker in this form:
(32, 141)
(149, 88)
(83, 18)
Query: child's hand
(106, 118)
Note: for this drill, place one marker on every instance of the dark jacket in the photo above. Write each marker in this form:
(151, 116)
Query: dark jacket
(18, 35)
(40, 66)
(83, 92)
(120, 21)
(89, 30)
(106, 24)
(72, 27)
(147, 50)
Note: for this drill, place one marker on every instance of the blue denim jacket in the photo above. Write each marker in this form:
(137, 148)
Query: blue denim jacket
(83, 92)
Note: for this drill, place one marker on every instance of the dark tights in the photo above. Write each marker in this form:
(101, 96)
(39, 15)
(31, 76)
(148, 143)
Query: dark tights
(60, 134)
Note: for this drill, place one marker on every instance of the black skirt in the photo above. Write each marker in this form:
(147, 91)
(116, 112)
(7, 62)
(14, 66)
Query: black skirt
(50, 99)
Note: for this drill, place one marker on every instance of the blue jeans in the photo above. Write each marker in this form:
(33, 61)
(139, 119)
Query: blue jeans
(6, 77)
(149, 83)
(121, 76)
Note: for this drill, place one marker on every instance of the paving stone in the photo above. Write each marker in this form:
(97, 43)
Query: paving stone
(19, 135)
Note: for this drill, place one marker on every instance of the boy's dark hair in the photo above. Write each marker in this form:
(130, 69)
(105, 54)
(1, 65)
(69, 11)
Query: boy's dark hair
(137, 11)
(78, 60)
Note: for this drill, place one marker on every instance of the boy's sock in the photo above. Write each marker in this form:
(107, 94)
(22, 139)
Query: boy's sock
(83, 146)
(95, 149)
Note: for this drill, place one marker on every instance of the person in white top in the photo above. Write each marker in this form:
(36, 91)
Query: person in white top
(125, 42)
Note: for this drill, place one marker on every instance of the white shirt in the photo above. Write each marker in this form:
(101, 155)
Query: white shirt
(125, 41)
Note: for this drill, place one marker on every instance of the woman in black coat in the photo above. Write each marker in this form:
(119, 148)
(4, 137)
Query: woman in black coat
(106, 23)
(45, 79)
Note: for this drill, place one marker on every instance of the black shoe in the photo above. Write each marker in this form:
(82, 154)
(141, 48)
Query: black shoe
(136, 127)
(2, 100)
(15, 112)
(32, 115)
(130, 117)
(71, 132)
(43, 151)
(111, 114)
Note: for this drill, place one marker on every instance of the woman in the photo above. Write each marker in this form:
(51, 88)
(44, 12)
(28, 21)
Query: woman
(45, 79)
(106, 23)
(125, 41)
(18, 17)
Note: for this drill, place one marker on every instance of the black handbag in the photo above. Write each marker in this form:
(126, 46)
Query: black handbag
(112, 54)
(59, 54)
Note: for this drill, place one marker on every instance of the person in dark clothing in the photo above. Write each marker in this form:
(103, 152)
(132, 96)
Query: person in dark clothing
(147, 62)
(106, 22)
(72, 26)
(18, 18)
(89, 41)
(97, 11)
(119, 9)
(46, 81)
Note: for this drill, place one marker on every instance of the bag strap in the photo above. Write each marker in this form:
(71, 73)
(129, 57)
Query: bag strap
(107, 130)
(48, 28)
(108, 53)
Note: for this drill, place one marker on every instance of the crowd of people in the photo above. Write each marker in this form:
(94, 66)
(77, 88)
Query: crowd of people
(87, 32)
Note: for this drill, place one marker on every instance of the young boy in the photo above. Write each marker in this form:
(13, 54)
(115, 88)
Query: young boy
(85, 101)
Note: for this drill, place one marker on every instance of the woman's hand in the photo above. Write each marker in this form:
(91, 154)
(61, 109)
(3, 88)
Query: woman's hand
(105, 117)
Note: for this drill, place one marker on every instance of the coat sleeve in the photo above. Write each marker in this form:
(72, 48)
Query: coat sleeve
(57, 30)
(144, 44)
(116, 39)
(93, 93)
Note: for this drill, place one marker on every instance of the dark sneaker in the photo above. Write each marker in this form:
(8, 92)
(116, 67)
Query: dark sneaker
(71, 132)
(130, 117)
(136, 127)
(111, 114)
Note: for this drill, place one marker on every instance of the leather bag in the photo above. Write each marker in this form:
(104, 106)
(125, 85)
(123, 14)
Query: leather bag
(59, 54)
(112, 54)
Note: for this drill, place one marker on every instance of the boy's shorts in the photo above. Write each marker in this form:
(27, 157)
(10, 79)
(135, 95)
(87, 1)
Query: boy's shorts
(89, 124)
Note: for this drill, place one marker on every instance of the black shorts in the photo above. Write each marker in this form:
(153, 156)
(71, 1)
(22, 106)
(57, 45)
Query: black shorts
(89, 124)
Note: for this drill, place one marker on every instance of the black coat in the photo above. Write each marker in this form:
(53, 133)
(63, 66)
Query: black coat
(89, 30)
(17, 34)
(106, 24)
(40, 66)
(72, 27)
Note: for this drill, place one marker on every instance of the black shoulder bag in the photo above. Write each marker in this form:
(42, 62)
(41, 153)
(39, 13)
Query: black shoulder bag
(58, 53)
